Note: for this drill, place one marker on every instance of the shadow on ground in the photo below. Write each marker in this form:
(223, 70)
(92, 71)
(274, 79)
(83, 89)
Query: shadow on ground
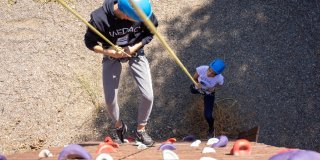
(272, 54)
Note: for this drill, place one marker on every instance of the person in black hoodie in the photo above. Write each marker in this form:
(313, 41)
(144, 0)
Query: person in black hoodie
(119, 23)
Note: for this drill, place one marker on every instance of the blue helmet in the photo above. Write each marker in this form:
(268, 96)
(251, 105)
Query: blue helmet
(127, 9)
(217, 66)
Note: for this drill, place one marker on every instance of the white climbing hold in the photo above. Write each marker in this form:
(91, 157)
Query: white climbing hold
(195, 143)
(126, 141)
(169, 155)
(212, 141)
(138, 143)
(104, 156)
(208, 150)
(45, 153)
(142, 146)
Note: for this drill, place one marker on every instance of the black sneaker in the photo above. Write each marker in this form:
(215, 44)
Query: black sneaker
(114, 136)
(144, 138)
(211, 134)
(120, 132)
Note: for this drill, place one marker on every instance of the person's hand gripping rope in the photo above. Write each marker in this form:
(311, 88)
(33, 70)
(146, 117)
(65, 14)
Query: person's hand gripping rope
(121, 52)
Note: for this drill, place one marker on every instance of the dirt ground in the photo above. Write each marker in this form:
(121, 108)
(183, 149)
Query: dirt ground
(51, 88)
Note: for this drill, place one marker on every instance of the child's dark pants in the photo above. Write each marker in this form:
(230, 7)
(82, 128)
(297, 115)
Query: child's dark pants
(208, 100)
(208, 109)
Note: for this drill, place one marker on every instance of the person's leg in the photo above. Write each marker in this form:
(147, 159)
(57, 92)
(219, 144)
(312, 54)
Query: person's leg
(208, 111)
(111, 76)
(141, 72)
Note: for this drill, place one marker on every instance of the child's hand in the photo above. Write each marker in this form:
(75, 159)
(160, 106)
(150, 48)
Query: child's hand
(199, 86)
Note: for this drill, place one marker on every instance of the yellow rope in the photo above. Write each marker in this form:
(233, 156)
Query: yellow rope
(153, 29)
(115, 47)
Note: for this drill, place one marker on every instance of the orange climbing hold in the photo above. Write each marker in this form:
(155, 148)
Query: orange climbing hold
(109, 141)
(169, 141)
(172, 140)
(105, 148)
(241, 147)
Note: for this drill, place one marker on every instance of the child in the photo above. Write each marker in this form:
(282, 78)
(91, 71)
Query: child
(208, 79)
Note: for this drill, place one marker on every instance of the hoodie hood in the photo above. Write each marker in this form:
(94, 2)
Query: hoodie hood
(108, 6)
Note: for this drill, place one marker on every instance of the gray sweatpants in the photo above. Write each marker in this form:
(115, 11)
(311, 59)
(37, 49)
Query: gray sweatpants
(139, 67)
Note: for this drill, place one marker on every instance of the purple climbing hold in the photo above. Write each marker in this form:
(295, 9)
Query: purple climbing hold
(223, 141)
(283, 155)
(167, 146)
(297, 155)
(74, 151)
(2, 157)
(189, 138)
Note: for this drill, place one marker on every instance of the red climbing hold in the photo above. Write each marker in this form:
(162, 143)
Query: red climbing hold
(105, 148)
(172, 140)
(109, 141)
(241, 147)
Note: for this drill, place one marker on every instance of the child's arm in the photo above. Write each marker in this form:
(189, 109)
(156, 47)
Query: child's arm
(195, 77)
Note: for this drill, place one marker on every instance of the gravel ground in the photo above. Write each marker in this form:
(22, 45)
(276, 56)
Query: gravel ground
(51, 89)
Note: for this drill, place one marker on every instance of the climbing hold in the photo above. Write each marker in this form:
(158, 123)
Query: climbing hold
(105, 148)
(172, 140)
(2, 157)
(169, 155)
(241, 147)
(45, 153)
(223, 141)
(189, 138)
(166, 142)
(104, 156)
(167, 146)
(296, 155)
(74, 151)
(195, 143)
(211, 141)
(286, 150)
(109, 141)
(138, 143)
(283, 155)
(169, 141)
(113, 144)
(208, 150)
(207, 158)
(142, 146)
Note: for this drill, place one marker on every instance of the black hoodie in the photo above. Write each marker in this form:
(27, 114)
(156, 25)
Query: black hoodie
(119, 32)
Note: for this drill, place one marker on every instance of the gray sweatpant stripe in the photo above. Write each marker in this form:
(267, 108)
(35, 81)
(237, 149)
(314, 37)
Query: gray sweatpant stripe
(140, 70)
